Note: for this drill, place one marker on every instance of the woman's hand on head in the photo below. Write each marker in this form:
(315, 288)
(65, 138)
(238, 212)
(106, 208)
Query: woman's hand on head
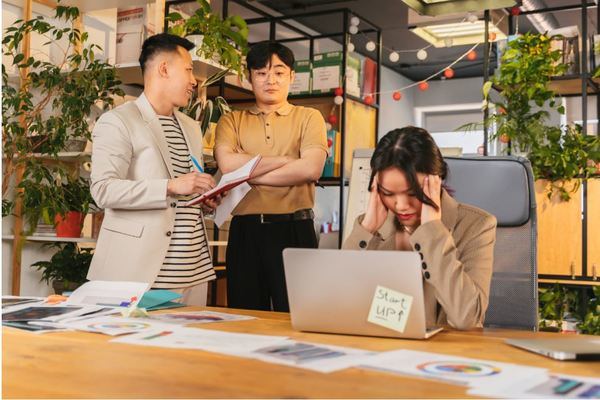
(432, 187)
(376, 213)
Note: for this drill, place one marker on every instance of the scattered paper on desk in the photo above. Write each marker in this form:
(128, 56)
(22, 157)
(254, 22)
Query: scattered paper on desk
(115, 326)
(229, 202)
(237, 344)
(30, 326)
(551, 386)
(109, 293)
(453, 369)
(390, 309)
(199, 317)
(316, 357)
(32, 313)
(11, 301)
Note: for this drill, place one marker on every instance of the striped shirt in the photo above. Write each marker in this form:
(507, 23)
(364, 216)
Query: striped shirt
(188, 261)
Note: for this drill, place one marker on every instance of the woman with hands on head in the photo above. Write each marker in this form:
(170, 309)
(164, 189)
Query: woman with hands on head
(409, 209)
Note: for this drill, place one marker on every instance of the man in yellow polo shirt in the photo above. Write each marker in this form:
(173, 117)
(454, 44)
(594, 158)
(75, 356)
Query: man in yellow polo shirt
(277, 212)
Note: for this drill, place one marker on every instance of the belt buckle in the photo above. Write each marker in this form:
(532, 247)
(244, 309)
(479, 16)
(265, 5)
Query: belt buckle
(262, 219)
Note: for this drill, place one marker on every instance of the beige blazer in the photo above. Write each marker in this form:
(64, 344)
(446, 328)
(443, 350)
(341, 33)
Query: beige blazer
(130, 170)
(457, 258)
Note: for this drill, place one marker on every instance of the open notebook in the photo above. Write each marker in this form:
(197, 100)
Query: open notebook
(229, 181)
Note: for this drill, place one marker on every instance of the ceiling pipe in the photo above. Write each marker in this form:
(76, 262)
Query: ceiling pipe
(542, 21)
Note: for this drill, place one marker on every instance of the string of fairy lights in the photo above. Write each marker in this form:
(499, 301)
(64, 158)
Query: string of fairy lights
(422, 53)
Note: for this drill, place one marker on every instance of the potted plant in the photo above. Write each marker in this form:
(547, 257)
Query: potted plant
(67, 268)
(222, 40)
(77, 200)
(51, 105)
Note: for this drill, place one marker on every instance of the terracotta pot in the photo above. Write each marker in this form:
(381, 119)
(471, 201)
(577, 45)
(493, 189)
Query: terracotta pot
(70, 226)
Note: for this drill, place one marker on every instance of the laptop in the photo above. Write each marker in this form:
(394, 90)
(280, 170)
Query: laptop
(577, 348)
(332, 290)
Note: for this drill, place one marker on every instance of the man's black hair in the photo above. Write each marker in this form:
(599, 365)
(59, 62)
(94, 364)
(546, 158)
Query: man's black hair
(159, 43)
(260, 54)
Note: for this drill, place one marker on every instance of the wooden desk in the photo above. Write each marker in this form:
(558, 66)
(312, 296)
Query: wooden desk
(78, 364)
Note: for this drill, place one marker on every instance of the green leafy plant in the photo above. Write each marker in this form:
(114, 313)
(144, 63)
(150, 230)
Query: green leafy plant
(558, 155)
(225, 40)
(526, 68)
(50, 104)
(555, 302)
(69, 264)
(590, 323)
(565, 155)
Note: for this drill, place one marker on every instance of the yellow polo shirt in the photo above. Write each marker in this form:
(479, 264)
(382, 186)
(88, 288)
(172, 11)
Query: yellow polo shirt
(288, 131)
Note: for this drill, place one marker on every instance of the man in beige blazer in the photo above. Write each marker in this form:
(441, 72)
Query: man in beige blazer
(143, 187)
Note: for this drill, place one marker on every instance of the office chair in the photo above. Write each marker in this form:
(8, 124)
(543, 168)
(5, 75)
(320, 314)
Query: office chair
(504, 187)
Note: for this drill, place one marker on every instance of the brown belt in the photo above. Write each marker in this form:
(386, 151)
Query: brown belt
(300, 215)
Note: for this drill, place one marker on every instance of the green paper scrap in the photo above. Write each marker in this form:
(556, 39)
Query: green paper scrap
(159, 299)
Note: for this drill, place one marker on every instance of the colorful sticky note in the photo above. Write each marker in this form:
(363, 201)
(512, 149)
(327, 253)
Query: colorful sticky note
(390, 308)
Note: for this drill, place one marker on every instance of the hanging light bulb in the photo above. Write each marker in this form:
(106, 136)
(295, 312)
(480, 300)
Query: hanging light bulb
(353, 29)
(332, 119)
(338, 100)
(370, 45)
(394, 56)
(354, 21)
(397, 96)
(472, 18)
(422, 54)
(328, 127)
(368, 100)
(492, 36)
(448, 42)
(350, 47)
(423, 86)
(449, 73)
(472, 55)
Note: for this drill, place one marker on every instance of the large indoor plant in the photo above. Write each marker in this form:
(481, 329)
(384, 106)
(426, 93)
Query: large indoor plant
(224, 40)
(523, 79)
(50, 104)
(67, 268)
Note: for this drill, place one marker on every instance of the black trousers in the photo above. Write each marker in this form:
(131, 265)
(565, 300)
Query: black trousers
(255, 276)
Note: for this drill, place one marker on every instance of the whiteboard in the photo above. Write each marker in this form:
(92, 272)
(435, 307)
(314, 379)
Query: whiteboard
(358, 196)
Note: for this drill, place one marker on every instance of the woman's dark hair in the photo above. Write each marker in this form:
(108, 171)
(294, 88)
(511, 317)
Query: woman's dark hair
(260, 54)
(412, 150)
(159, 43)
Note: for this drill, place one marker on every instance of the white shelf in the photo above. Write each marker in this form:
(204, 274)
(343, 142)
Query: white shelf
(131, 73)
(94, 5)
(52, 239)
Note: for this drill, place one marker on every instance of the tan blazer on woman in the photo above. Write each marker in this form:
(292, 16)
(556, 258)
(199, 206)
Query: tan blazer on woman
(457, 257)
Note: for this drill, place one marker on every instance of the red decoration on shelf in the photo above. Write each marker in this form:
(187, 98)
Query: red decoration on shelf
(397, 96)
(423, 86)
(338, 91)
(449, 73)
(368, 100)
(515, 11)
(329, 142)
(332, 119)
(472, 55)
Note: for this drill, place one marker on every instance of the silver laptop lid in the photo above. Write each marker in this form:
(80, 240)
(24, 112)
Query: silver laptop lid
(562, 348)
(332, 290)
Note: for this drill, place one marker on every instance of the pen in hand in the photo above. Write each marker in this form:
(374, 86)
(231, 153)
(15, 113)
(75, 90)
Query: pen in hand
(197, 164)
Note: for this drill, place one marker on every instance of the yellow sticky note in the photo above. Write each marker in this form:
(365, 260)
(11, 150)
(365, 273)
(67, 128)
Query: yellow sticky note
(390, 308)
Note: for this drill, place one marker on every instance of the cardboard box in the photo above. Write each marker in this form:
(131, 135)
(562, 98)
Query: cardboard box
(327, 72)
(134, 25)
(303, 81)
